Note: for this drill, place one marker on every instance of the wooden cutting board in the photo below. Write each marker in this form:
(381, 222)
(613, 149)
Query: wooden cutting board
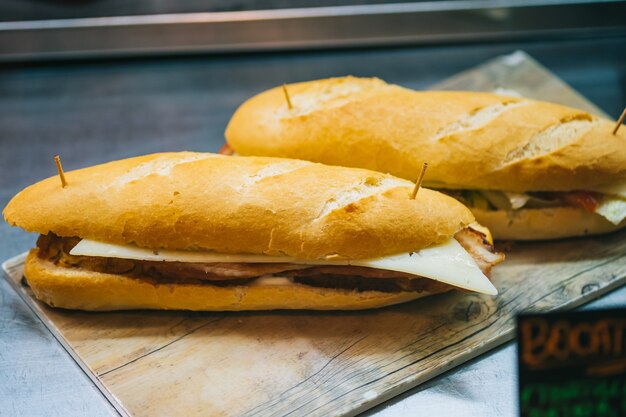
(321, 364)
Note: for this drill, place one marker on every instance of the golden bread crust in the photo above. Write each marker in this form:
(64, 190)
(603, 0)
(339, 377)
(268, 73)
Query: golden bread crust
(256, 205)
(546, 223)
(80, 289)
(470, 140)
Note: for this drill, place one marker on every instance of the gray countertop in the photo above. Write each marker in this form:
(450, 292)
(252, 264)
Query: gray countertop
(91, 112)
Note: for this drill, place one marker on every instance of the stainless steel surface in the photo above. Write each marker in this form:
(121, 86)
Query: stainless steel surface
(16, 10)
(365, 25)
(37, 377)
(14, 267)
(96, 111)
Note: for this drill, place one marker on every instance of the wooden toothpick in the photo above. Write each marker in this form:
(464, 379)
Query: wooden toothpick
(620, 121)
(57, 161)
(418, 183)
(287, 96)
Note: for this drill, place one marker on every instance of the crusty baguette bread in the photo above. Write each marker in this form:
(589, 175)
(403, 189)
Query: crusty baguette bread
(81, 289)
(470, 140)
(545, 223)
(270, 206)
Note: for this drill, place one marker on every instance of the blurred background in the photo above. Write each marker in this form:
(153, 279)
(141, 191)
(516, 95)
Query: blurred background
(45, 29)
(98, 80)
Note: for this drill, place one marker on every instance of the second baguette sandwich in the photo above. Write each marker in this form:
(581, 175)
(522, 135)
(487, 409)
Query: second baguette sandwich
(527, 169)
(206, 232)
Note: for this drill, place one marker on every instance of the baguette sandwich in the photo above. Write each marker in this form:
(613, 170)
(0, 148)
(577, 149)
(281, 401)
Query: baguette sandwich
(201, 231)
(527, 169)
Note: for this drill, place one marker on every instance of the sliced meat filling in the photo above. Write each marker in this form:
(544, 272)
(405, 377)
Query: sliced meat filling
(56, 250)
(477, 245)
(360, 283)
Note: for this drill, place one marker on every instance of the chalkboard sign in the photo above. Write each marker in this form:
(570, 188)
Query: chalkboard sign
(572, 364)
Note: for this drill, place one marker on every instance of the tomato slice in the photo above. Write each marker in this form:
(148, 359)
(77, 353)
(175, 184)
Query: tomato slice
(226, 150)
(587, 200)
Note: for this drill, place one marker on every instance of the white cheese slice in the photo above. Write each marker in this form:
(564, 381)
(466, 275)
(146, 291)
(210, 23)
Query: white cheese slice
(612, 208)
(448, 262)
(267, 280)
(517, 200)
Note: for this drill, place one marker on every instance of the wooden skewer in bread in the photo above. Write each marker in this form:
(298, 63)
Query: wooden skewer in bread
(619, 122)
(57, 161)
(418, 182)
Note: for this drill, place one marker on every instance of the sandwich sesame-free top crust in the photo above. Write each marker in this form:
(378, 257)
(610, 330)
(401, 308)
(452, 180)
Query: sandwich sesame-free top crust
(255, 205)
(471, 140)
